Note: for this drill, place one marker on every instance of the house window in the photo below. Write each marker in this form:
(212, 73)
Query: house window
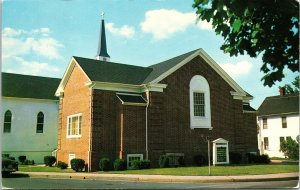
(200, 113)
(266, 143)
(7, 122)
(199, 104)
(40, 123)
(281, 139)
(265, 123)
(289, 137)
(283, 122)
(131, 157)
(74, 126)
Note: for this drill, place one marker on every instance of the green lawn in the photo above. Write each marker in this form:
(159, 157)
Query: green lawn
(189, 171)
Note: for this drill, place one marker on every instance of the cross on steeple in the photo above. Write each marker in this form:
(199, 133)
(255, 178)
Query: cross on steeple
(102, 49)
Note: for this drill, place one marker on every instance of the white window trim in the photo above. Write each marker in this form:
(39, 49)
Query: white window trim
(69, 161)
(133, 155)
(70, 116)
(199, 84)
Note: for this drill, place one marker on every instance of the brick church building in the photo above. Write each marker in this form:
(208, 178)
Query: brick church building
(123, 111)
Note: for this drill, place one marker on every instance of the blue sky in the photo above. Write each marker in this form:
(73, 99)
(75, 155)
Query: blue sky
(39, 37)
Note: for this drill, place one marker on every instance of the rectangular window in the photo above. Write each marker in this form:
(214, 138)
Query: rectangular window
(265, 123)
(289, 137)
(266, 143)
(283, 122)
(131, 157)
(281, 139)
(199, 104)
(74, 125)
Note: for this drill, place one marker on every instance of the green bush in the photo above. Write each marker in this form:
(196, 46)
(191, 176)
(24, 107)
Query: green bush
(62, 165)
(12, 158)
(49, 160)
(235, 157)
(104, 164)
(119, 165)
(181, 161)
(290, 148)
(258, 159)
(199, 160)
(77, 164)
(22, 159)
(135, 164)
(164, 161)
(144, 164)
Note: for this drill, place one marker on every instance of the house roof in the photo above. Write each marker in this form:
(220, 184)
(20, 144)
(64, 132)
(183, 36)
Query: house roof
(103, 71)
(279, 105)
(247, 107)
(26, 86)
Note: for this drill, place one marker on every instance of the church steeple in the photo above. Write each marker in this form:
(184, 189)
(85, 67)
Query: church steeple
(102, 49)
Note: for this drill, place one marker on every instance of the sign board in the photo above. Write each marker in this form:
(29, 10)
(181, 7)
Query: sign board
(220, 151)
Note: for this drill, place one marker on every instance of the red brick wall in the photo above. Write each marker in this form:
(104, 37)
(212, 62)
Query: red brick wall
(76, 100)
(169, 116)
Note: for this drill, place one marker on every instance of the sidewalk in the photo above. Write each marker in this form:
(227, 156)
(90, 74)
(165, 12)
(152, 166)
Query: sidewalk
(165, 178)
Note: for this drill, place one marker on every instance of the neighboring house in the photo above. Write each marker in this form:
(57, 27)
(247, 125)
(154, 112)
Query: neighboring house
(123, 111)
(29, 116)
(278, 119)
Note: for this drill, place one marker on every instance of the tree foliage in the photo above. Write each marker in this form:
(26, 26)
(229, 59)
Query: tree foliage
(291, 90)
(267, 27)
(290, 148)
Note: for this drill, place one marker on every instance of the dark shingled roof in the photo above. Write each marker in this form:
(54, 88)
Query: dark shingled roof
(26, 86)
(103, 71)
(247, 107)
(160, 68)
(279, 105)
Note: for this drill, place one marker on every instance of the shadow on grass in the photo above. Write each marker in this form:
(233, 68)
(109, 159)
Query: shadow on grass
(15, 175)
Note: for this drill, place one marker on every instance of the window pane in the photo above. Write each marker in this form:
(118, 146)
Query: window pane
(7, 127)
(79, 125)
(283, 120)
(199, 104)
(39, 128)
(7, 122)
(265, 123)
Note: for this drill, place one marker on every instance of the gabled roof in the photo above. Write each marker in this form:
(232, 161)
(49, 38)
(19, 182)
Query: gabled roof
(125, 75)
(279, 105)
(26, 86)
(103, 71)
(162, 67)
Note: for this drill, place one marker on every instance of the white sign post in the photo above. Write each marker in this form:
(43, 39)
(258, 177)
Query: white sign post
(220, 151)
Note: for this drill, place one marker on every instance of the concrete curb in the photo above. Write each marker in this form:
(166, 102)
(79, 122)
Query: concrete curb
(164, 178)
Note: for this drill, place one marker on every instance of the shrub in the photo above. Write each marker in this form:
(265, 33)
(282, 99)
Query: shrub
(119, 165)
(235, 157)
(62, 165)
(181, 161)
(144, 164)
(77, 164)
(104, 164)
(258, 159)
(199, 160)
(29, 162)
(12, 158)
(164, 161)
(290, 148)
(135, 164)
(22, 159)
(49, 160)
(32, 162)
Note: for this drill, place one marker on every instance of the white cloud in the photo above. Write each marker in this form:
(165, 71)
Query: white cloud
(163, 23)
(17, 42)
(30, 67)
(124, 31)
(238, 69)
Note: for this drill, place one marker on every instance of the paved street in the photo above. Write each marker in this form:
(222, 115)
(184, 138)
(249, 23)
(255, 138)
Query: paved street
(44, 183)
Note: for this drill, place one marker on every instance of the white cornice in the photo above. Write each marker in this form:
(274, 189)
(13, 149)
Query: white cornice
(126, 87)
(239, 92)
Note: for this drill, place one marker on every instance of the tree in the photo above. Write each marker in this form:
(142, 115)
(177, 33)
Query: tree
(290, 148)
(289, 89)
(267, 27)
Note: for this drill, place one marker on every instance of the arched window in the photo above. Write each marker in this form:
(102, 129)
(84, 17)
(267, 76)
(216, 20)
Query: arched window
(199, 103)
(7, 122)
(40, 123)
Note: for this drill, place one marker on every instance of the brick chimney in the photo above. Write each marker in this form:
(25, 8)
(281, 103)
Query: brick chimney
(281, 91)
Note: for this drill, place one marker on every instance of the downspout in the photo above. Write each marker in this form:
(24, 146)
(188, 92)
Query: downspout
(90, 132)
(147, 96)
